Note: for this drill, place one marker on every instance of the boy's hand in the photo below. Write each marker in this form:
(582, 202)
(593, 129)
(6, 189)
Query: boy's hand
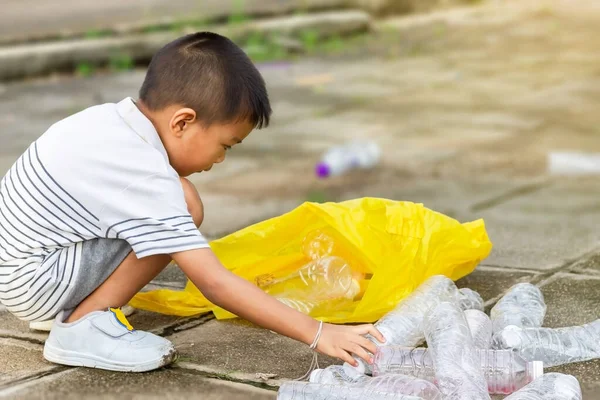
(242, 298)
(342, 341)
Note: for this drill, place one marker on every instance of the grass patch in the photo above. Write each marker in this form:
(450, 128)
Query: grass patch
(121, 62)
(85, 69)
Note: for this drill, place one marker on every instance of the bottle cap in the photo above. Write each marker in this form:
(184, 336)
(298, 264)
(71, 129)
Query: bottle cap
(315, 376)
(322, 170)
(535, 369)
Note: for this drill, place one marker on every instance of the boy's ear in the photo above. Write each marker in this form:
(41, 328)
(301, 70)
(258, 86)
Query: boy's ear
(181, 120)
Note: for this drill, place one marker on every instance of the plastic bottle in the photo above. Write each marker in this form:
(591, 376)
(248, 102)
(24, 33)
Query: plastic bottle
(316, 391)
(338, 375)
(505, 371)
(340, 159)
(457, 366)
(552, 346)
(318, 244)
(322, 281)
(552, 386)
(470, 300)
(403, 326)
(392, 383)
(480, 326)
(523, 306)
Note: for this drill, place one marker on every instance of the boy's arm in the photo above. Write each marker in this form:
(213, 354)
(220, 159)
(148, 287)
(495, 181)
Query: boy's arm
(236, 295)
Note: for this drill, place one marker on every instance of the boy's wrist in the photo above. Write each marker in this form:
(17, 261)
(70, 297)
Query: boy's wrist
(311, 332)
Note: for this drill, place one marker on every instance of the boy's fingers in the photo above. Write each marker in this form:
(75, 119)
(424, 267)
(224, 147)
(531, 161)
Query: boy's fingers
(371, 330)
(367, 344)
(362, 353)
(345, 356)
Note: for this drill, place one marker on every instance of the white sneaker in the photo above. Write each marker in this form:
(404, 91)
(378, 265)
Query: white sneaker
(46, 326)
(105, 340)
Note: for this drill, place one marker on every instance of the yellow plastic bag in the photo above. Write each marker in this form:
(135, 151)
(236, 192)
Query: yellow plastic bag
(397, 245)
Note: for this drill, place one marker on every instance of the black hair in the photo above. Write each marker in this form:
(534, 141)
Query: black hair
(210, 74)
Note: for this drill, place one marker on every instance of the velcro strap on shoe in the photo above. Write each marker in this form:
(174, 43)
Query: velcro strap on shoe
(110, 324)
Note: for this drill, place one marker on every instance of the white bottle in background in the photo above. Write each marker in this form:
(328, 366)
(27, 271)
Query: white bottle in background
(340, 159)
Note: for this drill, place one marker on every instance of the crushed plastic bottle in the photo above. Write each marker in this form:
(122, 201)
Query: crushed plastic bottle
(325, 281)
(480, 326)
(552, 386)
(523, 306)
(317, 245)
(340, 159)
(553, 346)
(470, 300)
(457, 366)
(392, 383)
(403, 326)
(316, 391)
(505, 371)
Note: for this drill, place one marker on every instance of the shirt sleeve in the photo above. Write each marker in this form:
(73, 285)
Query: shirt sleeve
(152, 216)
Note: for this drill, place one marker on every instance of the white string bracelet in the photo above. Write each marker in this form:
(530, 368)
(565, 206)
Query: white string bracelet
(315, 361)
(317, 337)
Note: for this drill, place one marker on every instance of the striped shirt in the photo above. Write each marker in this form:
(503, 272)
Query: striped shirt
(101, 173)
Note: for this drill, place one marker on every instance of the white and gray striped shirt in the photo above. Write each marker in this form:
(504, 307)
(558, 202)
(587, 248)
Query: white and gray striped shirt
(101, 173)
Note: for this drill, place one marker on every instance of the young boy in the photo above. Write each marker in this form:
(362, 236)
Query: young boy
(99, 205)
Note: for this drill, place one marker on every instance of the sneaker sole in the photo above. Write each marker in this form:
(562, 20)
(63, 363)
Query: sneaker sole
(71, 358)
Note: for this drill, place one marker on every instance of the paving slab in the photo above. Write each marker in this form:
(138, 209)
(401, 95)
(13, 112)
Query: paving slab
(588, 265)
(573, 300)
(21, 361)
(173, 384)
(547, 228)
(233, 346)
(12, 327)
(491, 283)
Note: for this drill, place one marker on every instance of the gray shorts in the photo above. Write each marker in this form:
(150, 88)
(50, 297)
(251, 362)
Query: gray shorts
(99, 259)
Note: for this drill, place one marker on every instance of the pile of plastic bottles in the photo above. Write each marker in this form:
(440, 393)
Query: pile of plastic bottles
(469, 355)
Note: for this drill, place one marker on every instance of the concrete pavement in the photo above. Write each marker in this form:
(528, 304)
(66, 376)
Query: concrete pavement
(466, 107)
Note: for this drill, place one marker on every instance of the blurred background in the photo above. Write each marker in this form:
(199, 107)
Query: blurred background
(454, 92)
(478, 108)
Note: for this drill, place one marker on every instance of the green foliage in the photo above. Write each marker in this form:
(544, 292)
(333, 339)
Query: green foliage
(97, 33)
(238, 16)
(121, 62)
(310, 39)
(85, 69)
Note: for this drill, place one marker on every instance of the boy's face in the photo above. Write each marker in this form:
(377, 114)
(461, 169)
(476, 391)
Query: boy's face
(195, 148)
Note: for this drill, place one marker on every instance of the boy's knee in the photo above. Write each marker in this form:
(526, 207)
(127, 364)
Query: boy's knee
(193, 201)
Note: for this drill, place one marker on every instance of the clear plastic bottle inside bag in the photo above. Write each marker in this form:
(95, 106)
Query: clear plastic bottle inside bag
(326, 281)
(403, 326)
(553, 346)
(552, 386)
(329, 279)
(457, 366)
(522, 306)
(391, 383)
(480, 326)
(505, 371)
